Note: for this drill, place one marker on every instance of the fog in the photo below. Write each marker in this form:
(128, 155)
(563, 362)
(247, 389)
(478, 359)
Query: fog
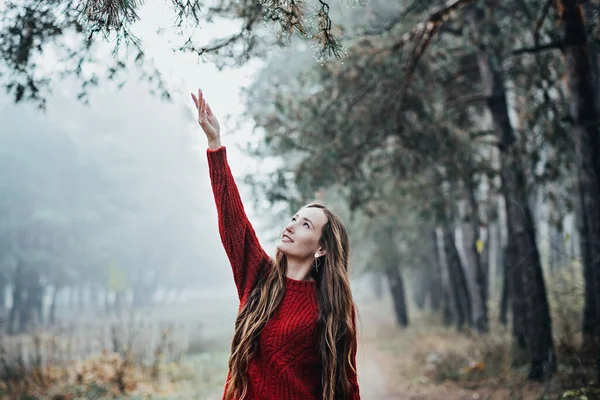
(116, 192)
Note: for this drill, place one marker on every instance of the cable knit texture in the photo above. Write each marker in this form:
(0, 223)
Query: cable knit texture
(287, 365)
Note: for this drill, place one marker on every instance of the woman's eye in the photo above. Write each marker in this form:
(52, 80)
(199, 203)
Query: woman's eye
(306, 224)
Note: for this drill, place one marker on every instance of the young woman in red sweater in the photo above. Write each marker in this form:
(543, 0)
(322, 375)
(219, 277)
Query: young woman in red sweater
(295, 333)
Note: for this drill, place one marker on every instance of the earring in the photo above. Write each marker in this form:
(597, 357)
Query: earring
(315, 263)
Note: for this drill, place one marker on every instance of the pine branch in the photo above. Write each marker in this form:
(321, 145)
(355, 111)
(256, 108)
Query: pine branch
(110, 15)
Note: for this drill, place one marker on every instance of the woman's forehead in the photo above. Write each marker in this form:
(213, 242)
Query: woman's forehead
(316, 215)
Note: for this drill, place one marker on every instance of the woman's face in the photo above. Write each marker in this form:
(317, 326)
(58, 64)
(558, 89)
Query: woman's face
(300, 238)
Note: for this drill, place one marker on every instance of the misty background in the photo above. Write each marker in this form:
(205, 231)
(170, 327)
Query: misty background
(456, 139)
(125, 177)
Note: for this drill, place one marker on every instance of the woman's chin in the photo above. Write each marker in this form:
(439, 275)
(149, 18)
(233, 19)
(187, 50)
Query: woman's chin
(283, 247)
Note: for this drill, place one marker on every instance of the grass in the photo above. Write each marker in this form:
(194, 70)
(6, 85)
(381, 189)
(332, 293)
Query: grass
(429, 361)
(127, 359)
(171, 360)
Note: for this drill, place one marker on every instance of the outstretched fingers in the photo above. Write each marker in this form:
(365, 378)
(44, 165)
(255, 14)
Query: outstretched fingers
(198, 100)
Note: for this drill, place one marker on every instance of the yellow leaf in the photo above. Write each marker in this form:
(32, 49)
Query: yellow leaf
(567, 237)
(479, 246)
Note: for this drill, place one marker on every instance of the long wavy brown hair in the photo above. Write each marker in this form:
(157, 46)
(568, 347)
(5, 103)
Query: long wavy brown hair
(336, 327)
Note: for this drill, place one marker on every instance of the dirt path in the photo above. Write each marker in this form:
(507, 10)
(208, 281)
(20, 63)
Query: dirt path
(372, 378)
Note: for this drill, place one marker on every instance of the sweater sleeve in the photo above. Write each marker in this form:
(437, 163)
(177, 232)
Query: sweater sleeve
(241, 245)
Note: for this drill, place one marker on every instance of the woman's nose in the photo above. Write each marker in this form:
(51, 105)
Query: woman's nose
(290, 227)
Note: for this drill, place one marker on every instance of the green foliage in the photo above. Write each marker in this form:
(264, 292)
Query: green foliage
(71, 35)
(397, 137)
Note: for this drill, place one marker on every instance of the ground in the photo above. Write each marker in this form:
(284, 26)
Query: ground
(395, 363)
(424, 361)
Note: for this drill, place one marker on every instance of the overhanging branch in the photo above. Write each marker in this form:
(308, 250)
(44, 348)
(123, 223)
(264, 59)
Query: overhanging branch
(538, 49)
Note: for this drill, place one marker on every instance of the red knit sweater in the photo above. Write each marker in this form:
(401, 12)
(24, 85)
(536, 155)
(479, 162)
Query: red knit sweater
(287, 365)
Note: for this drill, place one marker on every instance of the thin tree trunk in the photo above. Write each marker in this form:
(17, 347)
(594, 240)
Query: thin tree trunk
(448, 315)
(80, 298)
(52, 311)
(32, 307)
(396, 285)
(458, 280)
(480, 312)
(107, 305)
(3, 284)
(17, 299)
(504, 294)
(589, 308)
(435, 282)
(499, 248)
(420, 289)
(38, 301)
(584, 111)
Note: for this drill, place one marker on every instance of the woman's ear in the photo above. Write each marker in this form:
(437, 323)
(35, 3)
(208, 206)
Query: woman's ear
(320, 252)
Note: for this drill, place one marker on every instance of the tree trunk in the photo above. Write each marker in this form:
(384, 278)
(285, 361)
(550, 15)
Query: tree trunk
(80, 301)
(480, 311)
(17, 299)
(499, 249)
(526, 268)
(458, 280)
(52, 311)
(396, 285)
(435, 281)
(519, 307)
(447, 311)
(107, 305)
(589, 308)
(3, 284)
(555, 258)
(32, 307)
(420, 289)
(584, 112)
(525, 263)
(38, 301)
(504, 295)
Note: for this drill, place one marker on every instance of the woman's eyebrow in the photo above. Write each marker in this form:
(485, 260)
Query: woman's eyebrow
(308, 221)
(304, 218)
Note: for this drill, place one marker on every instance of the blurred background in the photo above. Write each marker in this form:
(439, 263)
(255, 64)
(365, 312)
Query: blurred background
(458, 140)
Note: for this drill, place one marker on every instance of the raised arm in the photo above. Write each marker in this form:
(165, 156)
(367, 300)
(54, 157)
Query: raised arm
(247, 257)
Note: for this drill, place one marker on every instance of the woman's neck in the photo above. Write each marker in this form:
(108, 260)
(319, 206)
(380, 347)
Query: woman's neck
(299, 270)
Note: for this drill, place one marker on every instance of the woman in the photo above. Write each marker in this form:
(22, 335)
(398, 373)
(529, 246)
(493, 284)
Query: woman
(295, 335)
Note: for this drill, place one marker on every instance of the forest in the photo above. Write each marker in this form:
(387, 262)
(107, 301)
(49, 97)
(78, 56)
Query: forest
(459, 141)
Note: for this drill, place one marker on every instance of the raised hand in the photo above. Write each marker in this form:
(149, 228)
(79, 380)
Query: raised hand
(208, 121)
